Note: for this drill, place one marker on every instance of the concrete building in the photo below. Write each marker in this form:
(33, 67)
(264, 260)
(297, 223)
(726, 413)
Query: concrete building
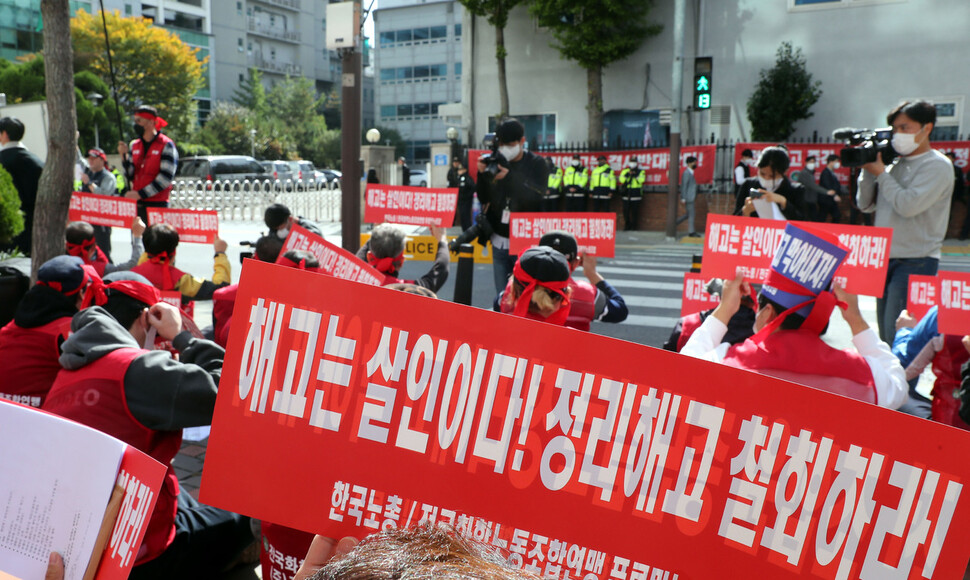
(868, 54)
(418, 64)
(20, 26)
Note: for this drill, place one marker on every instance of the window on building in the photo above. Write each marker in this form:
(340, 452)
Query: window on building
(249, 48)
(458, 69)
(240, 45)
(811, 4)
(404, 36)
(422, 108)
(388, 111)
(420, 34)
(272, 20)
(438, 31)
(239, 8)
(387, 74)
(272, 53)
(387, 38)
(404, 110)
(242, 78)
(539, 129)
(458, 29)
(405, 73)
(422, 72)
(127, 9)
(439, 70)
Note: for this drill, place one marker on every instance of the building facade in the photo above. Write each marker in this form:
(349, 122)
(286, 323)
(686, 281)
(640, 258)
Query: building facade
(868, 55)
(418, 67)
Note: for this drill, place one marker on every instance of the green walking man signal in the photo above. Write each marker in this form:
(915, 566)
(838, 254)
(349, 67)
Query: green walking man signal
(703, 67)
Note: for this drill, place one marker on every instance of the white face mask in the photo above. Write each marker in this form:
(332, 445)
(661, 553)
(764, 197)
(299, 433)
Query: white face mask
(632, 165)
(810, 166)
(282, 233)
(150, 339)
(905, 143)
(575, 163)
(836, 165)
(769, 184)
(510, 152)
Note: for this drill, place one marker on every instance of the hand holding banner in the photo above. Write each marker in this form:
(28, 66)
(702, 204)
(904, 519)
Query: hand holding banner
(695, 296)
(194, 226)
(923, 293)
(420, 206)
(595, 232)
(334, 260)
(101, 210)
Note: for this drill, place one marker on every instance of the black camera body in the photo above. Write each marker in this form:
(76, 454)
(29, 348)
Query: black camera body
(482, 231)
(865, 146)
(493, 160)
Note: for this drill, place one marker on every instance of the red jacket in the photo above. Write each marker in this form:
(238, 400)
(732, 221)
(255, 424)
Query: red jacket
(946, 367)
(223, 301)
(148, 164)
(582, 304)
(28, 357)
(94, 395)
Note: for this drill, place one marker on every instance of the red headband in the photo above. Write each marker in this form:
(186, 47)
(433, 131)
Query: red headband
(164, 259)
(159, 122)
(80, 250)
(387, 264)
(94, 153)
(822, 306)
(522, 305)
(144, 293)
(89, 275)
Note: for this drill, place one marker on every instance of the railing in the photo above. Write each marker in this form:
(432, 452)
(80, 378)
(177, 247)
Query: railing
(276, 67)
(291, 4)
(287, 35)
(247, 200)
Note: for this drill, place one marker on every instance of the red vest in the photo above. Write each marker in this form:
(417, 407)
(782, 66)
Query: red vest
(148, 163)
(28, 357)
(94, 395)
(223, 301)
(946, 366)
(582, 304)
(800, 356)
(688, 325)
(282, 549)
(156, 275)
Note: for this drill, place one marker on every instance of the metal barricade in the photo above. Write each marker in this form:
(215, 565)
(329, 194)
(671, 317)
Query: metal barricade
(247, 200)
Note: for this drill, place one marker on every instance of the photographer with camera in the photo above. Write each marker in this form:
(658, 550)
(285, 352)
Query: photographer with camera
(911, 196)
(511, 179)
(772, 185)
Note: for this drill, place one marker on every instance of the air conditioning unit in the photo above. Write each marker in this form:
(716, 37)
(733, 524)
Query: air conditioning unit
(721, 115)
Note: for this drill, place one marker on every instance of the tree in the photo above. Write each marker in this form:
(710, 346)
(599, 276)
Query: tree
(251, 93)
(496, 13)
(227, 132)
(295, 103)
(54, 189)
(595, 34)
(152, 65)
(784, 95)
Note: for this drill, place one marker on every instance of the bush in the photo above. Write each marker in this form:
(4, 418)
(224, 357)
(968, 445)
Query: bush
(11, 218)
(192, 149)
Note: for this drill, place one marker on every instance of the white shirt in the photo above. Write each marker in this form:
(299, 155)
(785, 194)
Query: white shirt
(887, 374)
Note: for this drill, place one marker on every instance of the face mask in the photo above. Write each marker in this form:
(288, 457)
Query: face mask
(905, 143)
(510, 152)
(149, 339)
(769, 184)
(836, 165)
(282, 233)
(575, 163)
(810, 166)
(633, 165)
(138, 129)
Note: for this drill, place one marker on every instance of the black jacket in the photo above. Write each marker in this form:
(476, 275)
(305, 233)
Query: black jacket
(24, 167)
(522, 190)
(793, 192)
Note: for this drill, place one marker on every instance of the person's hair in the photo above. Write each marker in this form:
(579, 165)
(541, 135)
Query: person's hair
(811, 158)
(14, 128)
(147, 109)
(921, 111)
(276, 215)
(78, 232)
(412, 289)
(160, 238)
(310, 261)
(747, 153)
(123, 308)
(776, 158)
(690, 159)
(793, 321)
(831, 158)
(509, 131)
(420, 553)
(543, 301)
(268, 248)
(387, 241)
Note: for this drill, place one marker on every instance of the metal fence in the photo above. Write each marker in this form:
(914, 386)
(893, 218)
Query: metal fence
(247, 200)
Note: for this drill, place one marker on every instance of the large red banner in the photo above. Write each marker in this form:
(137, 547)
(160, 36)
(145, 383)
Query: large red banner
(352, 409)
(749, 244)
(196, 226)
(954, 303)
(418, 206)
(102, 210)
(923, 294)
(595, 232)
(654, 162)
(695, 297)
(334, 260)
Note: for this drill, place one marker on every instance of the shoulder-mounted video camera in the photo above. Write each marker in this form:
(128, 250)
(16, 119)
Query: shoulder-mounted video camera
(493, 160)
(865, 146)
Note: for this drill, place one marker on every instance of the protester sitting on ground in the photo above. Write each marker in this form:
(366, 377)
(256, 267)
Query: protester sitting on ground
(740, 327)
(146, 398)
(30, 344)
(161, 241)
(772, 185)
(590, 300)
(540, 287)
(385, 252)
(794, 308)
(279, 220)
(267, 249)
(919, 344)
(81, 242)
(419, 552)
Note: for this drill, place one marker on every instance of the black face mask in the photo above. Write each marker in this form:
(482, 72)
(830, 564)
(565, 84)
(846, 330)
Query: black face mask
(138, 129)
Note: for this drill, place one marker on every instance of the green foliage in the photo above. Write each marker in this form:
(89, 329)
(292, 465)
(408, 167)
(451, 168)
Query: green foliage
(784, 95)
(227, 130)
(390, 137)
(11, 218)
(595, 33)
(496, 12)
(23, 82)
(251, 93)
(192, 149)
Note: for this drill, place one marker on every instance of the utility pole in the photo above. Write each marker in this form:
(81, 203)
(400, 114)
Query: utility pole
(350, 121)
(673, 179)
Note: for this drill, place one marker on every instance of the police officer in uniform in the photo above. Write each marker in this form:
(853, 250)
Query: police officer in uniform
(553, 188)
(602, 184)
(574, 181)
(631, 188)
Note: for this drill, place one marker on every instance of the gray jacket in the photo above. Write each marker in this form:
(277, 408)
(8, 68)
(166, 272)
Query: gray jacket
(688, 186)
(812, 189)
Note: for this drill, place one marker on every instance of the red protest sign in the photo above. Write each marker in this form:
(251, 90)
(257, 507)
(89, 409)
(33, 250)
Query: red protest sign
(954, 303)
(749, 244)
(419, 206)
(102, 210)
(195, 226)
(595, 232)
(695, 297)
(334, 260)
(922, 294)
(173, 297)
(529, 436)
(960, 150)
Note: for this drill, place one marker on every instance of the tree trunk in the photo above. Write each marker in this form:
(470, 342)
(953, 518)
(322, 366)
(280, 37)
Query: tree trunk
(503, 85)
(57, 179)
(594, 104)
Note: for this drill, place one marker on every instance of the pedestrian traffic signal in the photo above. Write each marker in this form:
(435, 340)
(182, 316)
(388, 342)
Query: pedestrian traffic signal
(703, 67)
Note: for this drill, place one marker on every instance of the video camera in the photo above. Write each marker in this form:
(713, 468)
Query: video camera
(493, 160)
(482, 230)
(865, 146)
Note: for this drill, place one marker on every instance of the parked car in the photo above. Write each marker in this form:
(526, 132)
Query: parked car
(278, 170)
(333, 177)
(311, 175)
(419, 178)
(219, 168)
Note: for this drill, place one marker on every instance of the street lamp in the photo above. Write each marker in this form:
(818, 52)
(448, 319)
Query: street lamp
(252, 140)
(95, 99)
(373, 136)
(452, 135)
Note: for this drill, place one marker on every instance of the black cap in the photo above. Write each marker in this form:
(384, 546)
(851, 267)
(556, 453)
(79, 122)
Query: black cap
(561, 241)
(509, 131)
(122, 275)
(148, 110)
(64, 270)
(544, 264)
(276, 215)
(601, 158)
